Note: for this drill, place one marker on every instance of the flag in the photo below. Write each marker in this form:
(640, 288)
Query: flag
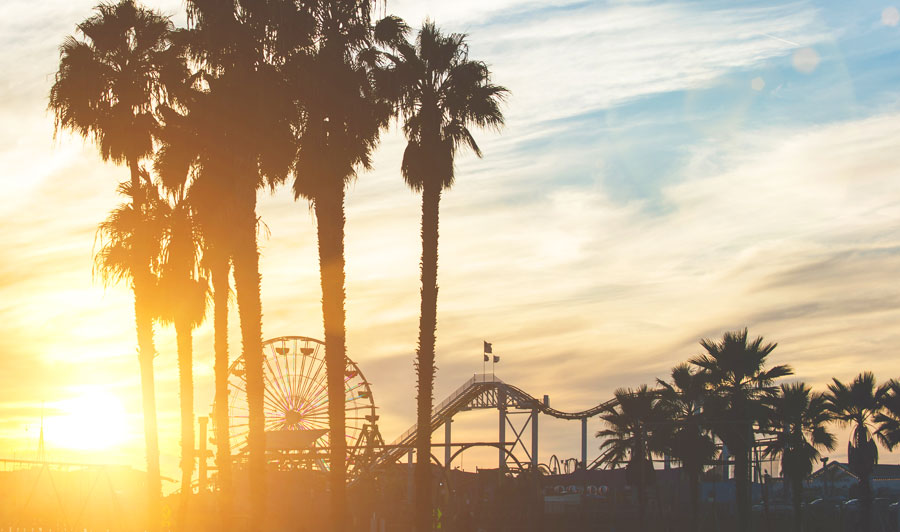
(496, 358)
(487, 348)
(485, 358)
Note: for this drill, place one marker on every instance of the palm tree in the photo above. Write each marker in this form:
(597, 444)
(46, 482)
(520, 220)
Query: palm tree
(689, 441)
(858, 405)
(191, 144)
(440, 93)
(252, 117)
(798, 420)
(738, 382)
(888, 417)
(106, 88)
(185, 291)
(343, 120)
(637, 430)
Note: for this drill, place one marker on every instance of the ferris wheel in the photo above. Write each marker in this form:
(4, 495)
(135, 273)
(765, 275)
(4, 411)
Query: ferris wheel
(295, 403)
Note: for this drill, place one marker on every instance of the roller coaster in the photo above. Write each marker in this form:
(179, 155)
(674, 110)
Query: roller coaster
(483, 391)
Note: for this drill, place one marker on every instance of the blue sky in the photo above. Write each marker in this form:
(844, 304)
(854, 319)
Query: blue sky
(668, 171)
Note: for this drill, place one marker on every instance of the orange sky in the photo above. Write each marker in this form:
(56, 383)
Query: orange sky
(592, 254)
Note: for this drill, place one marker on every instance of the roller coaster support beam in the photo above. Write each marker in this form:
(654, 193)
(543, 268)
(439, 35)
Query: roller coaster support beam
(447, 441)
(583, 443)
(501, 406)
(534, 439)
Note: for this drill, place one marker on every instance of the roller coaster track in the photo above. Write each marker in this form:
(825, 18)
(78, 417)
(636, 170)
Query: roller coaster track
(481, 391)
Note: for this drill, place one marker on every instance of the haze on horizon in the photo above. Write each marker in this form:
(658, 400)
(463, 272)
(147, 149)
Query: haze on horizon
(668, 171)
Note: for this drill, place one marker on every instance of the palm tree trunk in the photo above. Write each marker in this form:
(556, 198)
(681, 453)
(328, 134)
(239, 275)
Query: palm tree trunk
(220, 269)
(431, 197)
(146, 353)
(143, 317)
(330, 227)
(742, 488)
(186, 392)
(865, 504)
(694, 479)
(797, 499)
(642, 505)
(246, 281)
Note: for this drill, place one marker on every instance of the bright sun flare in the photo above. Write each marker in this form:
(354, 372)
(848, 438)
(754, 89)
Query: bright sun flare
(95, 420)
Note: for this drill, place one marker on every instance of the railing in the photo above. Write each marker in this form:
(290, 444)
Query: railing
(439, 409)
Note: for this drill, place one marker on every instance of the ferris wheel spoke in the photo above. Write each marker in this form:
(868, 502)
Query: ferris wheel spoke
(300, 374)
(274, 379)
(268, 398)
(359, 407)
(291, 370)
(323, 392)
(314, 379)
(284, 376)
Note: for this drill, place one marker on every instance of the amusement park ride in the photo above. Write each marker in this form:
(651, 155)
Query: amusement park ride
(296, 410)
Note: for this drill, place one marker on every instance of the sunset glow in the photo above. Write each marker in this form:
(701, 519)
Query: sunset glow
(93, 421)
(654, 174)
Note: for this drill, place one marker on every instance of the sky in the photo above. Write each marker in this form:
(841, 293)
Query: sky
(668, 171)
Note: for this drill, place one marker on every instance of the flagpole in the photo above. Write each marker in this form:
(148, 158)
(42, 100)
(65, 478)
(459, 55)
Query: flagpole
(483, 363)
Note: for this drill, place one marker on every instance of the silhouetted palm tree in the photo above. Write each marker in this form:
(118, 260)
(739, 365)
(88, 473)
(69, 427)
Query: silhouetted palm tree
(637, 430)
(185, 291)
(888, 416)
(738, 382)
(191, 146)
(106, 88)
(857, 405)
(254, 117)
(440, 93)
(798, 418)
(343, 120)
(688, 441)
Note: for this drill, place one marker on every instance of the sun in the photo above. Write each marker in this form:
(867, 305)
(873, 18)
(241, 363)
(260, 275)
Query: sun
(92, 421)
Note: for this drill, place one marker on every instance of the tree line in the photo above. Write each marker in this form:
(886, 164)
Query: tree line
(729, 394)
(253, 94)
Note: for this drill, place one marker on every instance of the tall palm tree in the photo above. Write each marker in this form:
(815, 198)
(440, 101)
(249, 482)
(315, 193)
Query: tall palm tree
(106, 88)
(185, 290)
(738, 383)
(191, 144)
(636, 431)
(798, 418)
(689, 441)
(888, 417)
(343, 120)
(253, 117)
(857, 405)
(440, 93)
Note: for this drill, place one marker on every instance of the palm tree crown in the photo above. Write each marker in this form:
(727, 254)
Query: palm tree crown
(108, 85)
(635, 431)
(799, 419)
(129, 236)
(858, 405)
(440, 93)
(888, 418)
